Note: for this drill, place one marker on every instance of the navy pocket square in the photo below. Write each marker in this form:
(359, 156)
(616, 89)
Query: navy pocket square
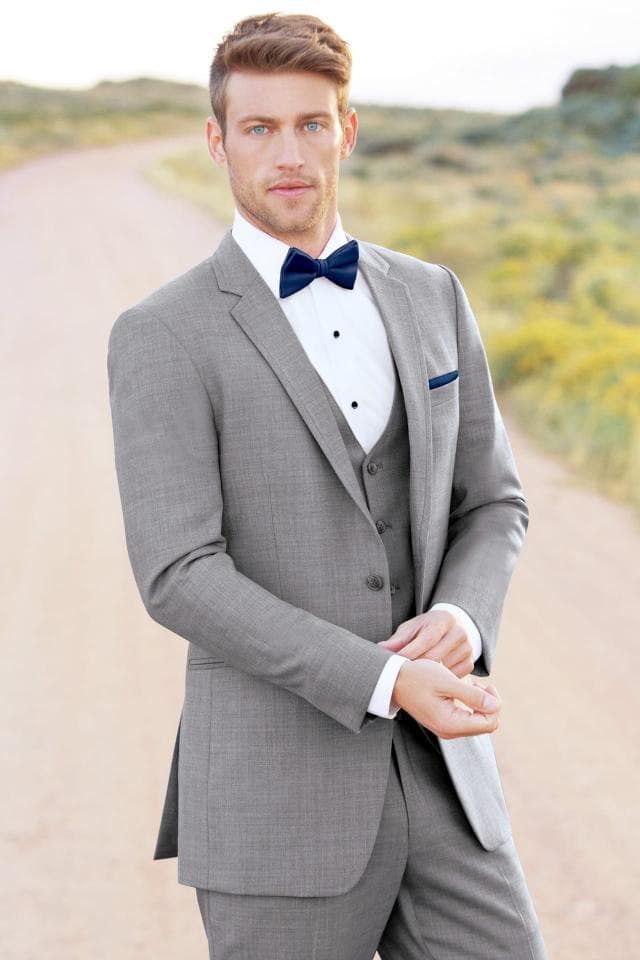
(442, 379)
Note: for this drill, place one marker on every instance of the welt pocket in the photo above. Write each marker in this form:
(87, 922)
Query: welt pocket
(204, 663)
(443, 388)
(436, 383)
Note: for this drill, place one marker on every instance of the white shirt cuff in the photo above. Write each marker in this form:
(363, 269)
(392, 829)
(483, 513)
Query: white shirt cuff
(467, 623)
(381, 702)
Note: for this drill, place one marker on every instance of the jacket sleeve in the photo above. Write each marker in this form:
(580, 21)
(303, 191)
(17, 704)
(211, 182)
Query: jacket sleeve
(488, 515)
(166, 459)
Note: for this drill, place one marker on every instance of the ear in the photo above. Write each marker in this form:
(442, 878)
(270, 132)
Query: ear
(349, 133)
(214, 142)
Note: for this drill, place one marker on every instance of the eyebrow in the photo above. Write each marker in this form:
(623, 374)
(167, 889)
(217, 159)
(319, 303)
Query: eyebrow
(302, 116)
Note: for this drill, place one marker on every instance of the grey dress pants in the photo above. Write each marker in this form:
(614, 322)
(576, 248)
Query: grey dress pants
(430, 891)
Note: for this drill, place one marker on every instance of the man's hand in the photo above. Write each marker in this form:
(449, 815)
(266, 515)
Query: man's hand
(428, 691)
(435, 635)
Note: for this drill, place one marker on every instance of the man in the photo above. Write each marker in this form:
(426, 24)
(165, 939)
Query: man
(319, 495)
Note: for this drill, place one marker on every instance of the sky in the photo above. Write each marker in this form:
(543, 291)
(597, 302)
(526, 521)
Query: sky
(497, 55)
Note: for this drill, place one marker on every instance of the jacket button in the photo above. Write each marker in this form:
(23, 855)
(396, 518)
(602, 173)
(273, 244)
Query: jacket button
(375, 582)
(381, 526)
(372, 467)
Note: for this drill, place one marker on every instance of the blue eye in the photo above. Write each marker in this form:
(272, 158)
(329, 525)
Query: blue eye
(257, 128)
(313, 123)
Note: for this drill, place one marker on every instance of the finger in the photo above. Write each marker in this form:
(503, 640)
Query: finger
(410, 648)
(428, 640)
(474, 695)
(451, 644)
(403, 633)
(407, 629)
(447, 649)
(459, 650)
(463, 667)
(392, 643)
(489, 688)
(461, 723)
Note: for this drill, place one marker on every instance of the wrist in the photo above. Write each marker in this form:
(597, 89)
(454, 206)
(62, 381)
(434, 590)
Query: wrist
(399, 686)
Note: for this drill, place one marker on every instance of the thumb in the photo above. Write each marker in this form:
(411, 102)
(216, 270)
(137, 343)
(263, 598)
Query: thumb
(474, 695)
(488, 689)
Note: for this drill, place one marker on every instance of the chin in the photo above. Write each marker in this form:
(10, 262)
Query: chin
(300, 220)
(294, 217)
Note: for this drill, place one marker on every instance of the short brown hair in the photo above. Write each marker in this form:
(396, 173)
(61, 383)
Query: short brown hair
(279, 42)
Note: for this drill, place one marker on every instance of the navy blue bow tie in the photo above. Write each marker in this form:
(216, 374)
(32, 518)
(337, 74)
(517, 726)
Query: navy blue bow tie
(299, 269)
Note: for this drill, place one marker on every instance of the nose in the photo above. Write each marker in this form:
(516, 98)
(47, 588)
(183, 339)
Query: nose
(289, 154)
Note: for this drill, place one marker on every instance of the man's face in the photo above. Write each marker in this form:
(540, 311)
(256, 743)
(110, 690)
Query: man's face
(283, 146)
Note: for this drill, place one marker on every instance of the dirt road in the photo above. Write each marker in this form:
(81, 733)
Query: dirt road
(92, 687)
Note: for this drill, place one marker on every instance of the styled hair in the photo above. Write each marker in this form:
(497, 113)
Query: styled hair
(276, 42)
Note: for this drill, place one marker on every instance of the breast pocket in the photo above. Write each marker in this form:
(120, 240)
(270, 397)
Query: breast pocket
(443, 387)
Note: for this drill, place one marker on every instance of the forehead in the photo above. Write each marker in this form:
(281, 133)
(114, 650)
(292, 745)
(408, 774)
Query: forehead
(279, 94)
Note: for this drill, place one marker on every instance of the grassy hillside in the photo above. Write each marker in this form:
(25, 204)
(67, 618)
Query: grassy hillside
(538, 213)
(38, 120)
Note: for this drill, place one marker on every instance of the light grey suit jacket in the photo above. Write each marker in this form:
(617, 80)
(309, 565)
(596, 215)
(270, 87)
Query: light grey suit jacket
(248, 536)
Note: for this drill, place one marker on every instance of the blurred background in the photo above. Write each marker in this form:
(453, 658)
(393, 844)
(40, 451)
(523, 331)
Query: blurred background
(502, 141)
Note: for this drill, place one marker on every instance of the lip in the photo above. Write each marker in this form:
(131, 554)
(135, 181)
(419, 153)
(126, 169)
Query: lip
(294, 189)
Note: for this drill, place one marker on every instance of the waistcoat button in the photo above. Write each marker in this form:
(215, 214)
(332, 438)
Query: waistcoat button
(372, 467)
(375, 582)
(381, 526)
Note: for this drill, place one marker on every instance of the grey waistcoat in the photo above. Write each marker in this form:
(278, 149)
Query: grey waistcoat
(383, 475)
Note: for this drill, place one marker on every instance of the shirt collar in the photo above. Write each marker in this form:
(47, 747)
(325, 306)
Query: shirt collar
(267, 253)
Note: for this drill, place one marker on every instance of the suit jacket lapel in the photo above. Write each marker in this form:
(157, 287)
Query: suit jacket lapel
(398, 314)
(262, 319)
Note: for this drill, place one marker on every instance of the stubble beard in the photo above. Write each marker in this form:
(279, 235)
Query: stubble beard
(296, 220)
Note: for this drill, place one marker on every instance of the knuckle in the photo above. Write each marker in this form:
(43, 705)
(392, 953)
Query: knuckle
(445, 615)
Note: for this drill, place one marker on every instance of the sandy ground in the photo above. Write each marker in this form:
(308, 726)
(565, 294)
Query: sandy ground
(92, 687)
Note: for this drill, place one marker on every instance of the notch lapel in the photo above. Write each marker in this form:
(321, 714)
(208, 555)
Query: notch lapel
(394, 302)
(263, 320)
